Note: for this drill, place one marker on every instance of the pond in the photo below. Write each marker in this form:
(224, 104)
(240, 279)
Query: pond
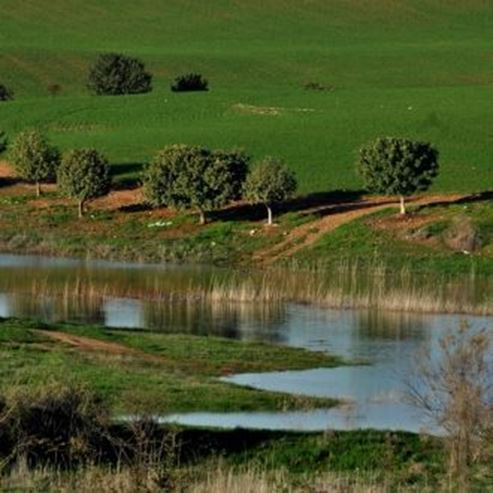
(373, 393)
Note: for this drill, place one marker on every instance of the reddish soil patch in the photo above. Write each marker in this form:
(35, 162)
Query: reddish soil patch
(90, 344)
(117, 199)
(336, 215)
(6, 170)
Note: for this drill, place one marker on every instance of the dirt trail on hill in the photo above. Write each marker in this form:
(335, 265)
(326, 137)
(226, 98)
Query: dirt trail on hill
(334, 216)
(6, 170)
(90, 344)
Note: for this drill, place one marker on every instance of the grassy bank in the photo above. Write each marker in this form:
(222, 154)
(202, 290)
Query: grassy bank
(412, 69)
(212, 461)
(260, 461)
(437, 259)
(140, 371)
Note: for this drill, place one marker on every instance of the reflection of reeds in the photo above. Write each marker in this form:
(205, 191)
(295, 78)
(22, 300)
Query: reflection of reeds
(346, 286)
(349, 287)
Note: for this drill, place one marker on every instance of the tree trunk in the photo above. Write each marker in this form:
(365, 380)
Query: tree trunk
(269, 214)
(403, 205)
(202, 217)
(38, 189)
(81, 208)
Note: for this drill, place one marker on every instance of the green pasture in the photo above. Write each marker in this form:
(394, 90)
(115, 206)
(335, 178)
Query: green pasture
(417, 68)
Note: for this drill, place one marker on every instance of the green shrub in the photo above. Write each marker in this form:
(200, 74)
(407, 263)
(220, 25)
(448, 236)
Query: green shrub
(116, 74)
(190, 82)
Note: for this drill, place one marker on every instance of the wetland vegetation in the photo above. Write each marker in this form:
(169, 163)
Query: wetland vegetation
(127, 317)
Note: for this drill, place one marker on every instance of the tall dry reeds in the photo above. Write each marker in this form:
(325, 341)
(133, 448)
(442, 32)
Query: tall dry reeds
(347, 285)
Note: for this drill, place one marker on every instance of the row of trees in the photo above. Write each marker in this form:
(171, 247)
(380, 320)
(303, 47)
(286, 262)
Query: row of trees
(82, 174)
(195, 177)
(179, 176)
(192, 177)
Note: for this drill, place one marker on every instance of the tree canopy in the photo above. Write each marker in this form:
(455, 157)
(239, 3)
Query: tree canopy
(188, 177)
(269, 182)
(116, 74)
(84, 175)
(34, 158)
(396, 166)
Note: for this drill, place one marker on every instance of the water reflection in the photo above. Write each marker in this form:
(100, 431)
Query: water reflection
(390, 325)
(103, 293)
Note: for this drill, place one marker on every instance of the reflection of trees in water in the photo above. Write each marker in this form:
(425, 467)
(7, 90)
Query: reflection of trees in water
(56, 308)
(390, 325)
(246, 321)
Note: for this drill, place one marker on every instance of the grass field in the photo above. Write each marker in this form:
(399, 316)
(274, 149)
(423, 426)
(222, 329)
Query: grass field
(146, 372)
(419, 68)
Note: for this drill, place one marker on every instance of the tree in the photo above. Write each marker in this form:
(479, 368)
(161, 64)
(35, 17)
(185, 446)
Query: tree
(190, 82)
(453, 386)
(398, 167)
(116, 74)
(270, 182)
(34, 158)
(5, 93)
(188, 177)
(84, 175)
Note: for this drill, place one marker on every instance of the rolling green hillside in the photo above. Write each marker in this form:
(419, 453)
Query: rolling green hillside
(419, 68)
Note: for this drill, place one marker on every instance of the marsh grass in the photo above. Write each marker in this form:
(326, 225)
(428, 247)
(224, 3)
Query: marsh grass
(346, 285)
(211, 478)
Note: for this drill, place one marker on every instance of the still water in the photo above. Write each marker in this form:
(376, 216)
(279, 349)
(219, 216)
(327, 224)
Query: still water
(373, 393)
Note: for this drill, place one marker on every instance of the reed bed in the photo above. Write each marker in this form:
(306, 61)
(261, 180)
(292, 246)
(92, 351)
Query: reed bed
(345, 286)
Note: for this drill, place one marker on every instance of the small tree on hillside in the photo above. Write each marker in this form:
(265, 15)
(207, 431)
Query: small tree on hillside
(116, 74)
(84, 175)
(188, 177)
(34, 158)
(398, 167)
(270, 182)
(5, 93)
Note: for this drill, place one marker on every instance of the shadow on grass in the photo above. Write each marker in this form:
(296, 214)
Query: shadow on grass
(319, 203)
(126, 175)
(9, 181)
(470, 199)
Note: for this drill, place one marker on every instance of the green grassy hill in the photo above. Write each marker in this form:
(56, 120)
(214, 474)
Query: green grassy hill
(419, 68)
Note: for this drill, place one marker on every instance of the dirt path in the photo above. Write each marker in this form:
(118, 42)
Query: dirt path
(334, 216)
(90, 344)
(6, 170)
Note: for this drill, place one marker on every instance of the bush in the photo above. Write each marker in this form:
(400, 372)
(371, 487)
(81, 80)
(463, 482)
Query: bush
(56, 425)
(190, 82)
(270, 182)
(34, 158)
(5, 93)
(194, 177)
(84, 175)
(116, 74)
